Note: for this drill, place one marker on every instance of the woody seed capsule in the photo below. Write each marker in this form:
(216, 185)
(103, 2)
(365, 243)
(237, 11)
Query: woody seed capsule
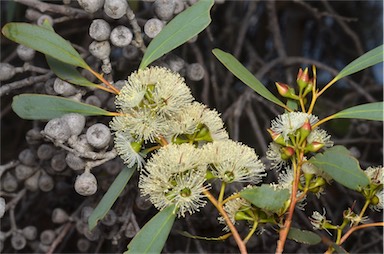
(86, 184)
(7, 71)
(18, 241)
(152, 27)
(99, 30)
(58, 128)
(25, 53)
(115, 8)
(121, 36)
(91, 6)
(46, 183)
(164, 9)
(100, 49)
(98, 135)
(30, 233)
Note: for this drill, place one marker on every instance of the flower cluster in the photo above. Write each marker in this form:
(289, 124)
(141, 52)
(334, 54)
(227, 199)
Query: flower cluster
(157, 112)
(292, 130)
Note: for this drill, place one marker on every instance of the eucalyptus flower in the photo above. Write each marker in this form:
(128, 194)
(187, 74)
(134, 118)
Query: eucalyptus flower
(375, 174)
(288, 123)
(155, 88)
(232, 161)
(128, 149)
(203, 123)
(232, 207)
(379, 201)
(320, 136)
(175, 175)
(274, 155)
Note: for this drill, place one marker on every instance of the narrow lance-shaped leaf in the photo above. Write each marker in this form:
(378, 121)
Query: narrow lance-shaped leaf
(266, 197)
(45, 41)
(151, 238)
(234, 66)
(68, 73)
(303, 236)
(370, 58)
(110, 196)
(341, 166)
(370, 111)
(45, 107)
(178, 31)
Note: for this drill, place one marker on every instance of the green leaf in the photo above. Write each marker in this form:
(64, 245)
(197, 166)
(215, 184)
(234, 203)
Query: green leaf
(68, 73)
(370, 111)
(110, 196)
(151, 238)
(45, 41)
(303, 236)
(341, 166)
(45, 107)
(370, 58)
(178, 31)
(266, 197)
(338, 249)
(234, 66)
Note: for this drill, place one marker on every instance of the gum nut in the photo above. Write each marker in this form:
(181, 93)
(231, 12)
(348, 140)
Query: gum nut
(86, 184)
(98, 135)
(58, 129)
(76, 122)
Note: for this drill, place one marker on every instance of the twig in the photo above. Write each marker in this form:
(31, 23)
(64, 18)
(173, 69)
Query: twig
(55, 8)
(4, 89)
(353, 229)
(136, 30)
(236, 236)
(7, 166)
(60, 237)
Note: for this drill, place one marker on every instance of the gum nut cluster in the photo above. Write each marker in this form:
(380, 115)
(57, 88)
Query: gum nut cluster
(175, 175)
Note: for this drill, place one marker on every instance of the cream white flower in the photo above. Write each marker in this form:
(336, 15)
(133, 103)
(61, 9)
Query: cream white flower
(175, 175)
(196, 118)
(143, 125)
(288, 123)
(232, 161)
(375, 174)
(155, 88)
(380, 203)
(321, 136)
(123, 146)
(318, 220)
(274, 155)
(232, 207)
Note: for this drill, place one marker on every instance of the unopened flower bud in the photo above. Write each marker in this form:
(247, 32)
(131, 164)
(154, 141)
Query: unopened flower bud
(7, 71)
(314, 147)
(277, 137)
(25, 53)
(83, 245)
(2, 207)
(287, 152)
(121, 36)
(98, 135)
(308, 88)
(286, 91)
(305, 130)
(32, 183)
(100, 49)
(9, 183)
(99, 30)
(302, 78)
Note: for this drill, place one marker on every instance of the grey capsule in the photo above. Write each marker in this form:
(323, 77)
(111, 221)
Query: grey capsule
(75, 121)
(98, 135)
(58, 129)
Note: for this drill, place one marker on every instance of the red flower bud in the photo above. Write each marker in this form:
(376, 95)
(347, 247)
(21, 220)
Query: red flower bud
(287, 152)
(286, 91)
(302, 78)
(314, 146)
(276, 137)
